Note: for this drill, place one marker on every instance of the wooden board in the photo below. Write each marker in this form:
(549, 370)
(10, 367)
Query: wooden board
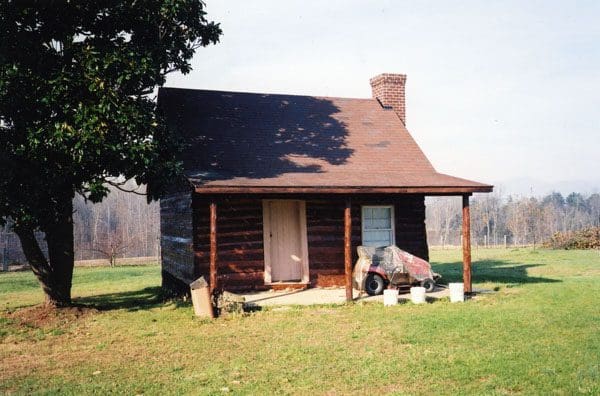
(286, 249)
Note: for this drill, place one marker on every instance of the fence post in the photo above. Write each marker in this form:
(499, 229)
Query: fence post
(5, 258)
(4, 251)
(505, 246)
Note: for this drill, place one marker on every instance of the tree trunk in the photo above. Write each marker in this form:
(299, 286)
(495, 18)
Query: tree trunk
(56, 274)
(61, 254)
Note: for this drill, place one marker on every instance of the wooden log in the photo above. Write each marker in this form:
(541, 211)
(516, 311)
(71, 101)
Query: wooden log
(224, 246)
(466, 243)
(327, 280)
(213, 246)
(242, 276)
(236, 215)
(348, 249)
(232, 226)
(227, 253)
(328, 250)
(331, 271)
(234, 267)
(330, 229)
(245, 280)
(253, 233)
(337, 265)
(328, 238)
(314, 220)
(332, 261)
(237, 205)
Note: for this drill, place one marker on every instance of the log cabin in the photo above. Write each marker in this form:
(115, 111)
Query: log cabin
(281, 189)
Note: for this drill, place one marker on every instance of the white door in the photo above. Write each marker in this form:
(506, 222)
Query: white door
(286, 257)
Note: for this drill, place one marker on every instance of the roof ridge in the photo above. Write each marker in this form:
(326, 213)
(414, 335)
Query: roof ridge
(265, 93)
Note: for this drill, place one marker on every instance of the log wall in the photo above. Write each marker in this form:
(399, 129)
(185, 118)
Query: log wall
(325, 227)
(240, 254)
(240, 251)
(176, 237)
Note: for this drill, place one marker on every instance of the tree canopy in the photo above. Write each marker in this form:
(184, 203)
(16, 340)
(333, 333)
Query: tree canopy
(76, 110)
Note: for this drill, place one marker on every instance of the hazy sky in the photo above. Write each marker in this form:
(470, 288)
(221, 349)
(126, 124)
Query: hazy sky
(495, 91)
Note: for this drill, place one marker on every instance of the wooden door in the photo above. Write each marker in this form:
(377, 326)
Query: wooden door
(286, 250)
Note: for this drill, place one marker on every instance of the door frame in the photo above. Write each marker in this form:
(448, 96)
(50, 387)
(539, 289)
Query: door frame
(267, 240)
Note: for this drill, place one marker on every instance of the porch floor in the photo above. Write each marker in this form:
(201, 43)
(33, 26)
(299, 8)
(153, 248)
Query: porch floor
(315, 296)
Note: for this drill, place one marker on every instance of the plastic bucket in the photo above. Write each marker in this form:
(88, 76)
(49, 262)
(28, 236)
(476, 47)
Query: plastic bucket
(390, 297)
(417, 295)
(457, 292)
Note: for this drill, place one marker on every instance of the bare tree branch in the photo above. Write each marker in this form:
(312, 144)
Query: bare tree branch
(118, 185)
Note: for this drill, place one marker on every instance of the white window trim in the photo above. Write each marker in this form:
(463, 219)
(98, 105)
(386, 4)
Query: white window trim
(362, 220)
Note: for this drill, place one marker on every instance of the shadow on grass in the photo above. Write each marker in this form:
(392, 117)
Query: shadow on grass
(495, 271)
(134, 300)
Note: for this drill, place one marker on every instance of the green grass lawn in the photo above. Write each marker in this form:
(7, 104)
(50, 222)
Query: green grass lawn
(538, 334)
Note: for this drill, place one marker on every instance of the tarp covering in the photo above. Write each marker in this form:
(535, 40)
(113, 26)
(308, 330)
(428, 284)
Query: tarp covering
(391, 260)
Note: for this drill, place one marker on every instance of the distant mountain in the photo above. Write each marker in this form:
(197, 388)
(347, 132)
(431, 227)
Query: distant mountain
(532, 187)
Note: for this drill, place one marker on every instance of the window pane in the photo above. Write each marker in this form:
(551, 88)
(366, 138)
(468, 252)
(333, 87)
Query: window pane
(368, 217)
(381, 213)
(377, 218)
(380, 224)
(377, 226)
(377, 238)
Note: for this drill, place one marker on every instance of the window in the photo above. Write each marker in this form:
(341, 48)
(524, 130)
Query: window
(378, 225)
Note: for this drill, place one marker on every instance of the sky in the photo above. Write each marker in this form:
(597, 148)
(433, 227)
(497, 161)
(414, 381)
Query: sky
(503, 92)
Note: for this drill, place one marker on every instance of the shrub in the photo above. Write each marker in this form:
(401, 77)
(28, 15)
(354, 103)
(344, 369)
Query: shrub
(588, 238)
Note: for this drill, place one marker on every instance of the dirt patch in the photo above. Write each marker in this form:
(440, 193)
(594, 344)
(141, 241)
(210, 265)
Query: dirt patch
(42, 316)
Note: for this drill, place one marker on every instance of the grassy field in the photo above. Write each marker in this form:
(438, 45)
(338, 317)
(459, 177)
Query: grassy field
(538, 334)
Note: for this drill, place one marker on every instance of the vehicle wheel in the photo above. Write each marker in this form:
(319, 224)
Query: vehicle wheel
(428, 284)
(374, 284)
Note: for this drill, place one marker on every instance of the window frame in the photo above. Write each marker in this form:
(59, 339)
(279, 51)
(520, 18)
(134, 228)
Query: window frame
(392, 221)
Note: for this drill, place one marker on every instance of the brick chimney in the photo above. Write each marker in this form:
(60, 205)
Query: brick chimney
(388, 89)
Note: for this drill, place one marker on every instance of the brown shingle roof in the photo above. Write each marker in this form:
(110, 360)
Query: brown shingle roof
(264, 141)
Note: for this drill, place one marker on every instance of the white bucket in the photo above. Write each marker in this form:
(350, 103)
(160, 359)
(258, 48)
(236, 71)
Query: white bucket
(457, 292)
(390, 297)
(417, 295)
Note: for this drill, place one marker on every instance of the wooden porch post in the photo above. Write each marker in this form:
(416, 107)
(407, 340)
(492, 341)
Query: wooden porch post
(213, 246)
(348, 248)
(466, 243)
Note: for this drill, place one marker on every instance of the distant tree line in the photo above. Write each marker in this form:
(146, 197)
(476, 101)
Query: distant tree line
(124, 225)
(514, 220)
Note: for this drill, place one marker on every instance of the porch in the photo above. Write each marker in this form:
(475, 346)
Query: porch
(335, 237)
(323, 296)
